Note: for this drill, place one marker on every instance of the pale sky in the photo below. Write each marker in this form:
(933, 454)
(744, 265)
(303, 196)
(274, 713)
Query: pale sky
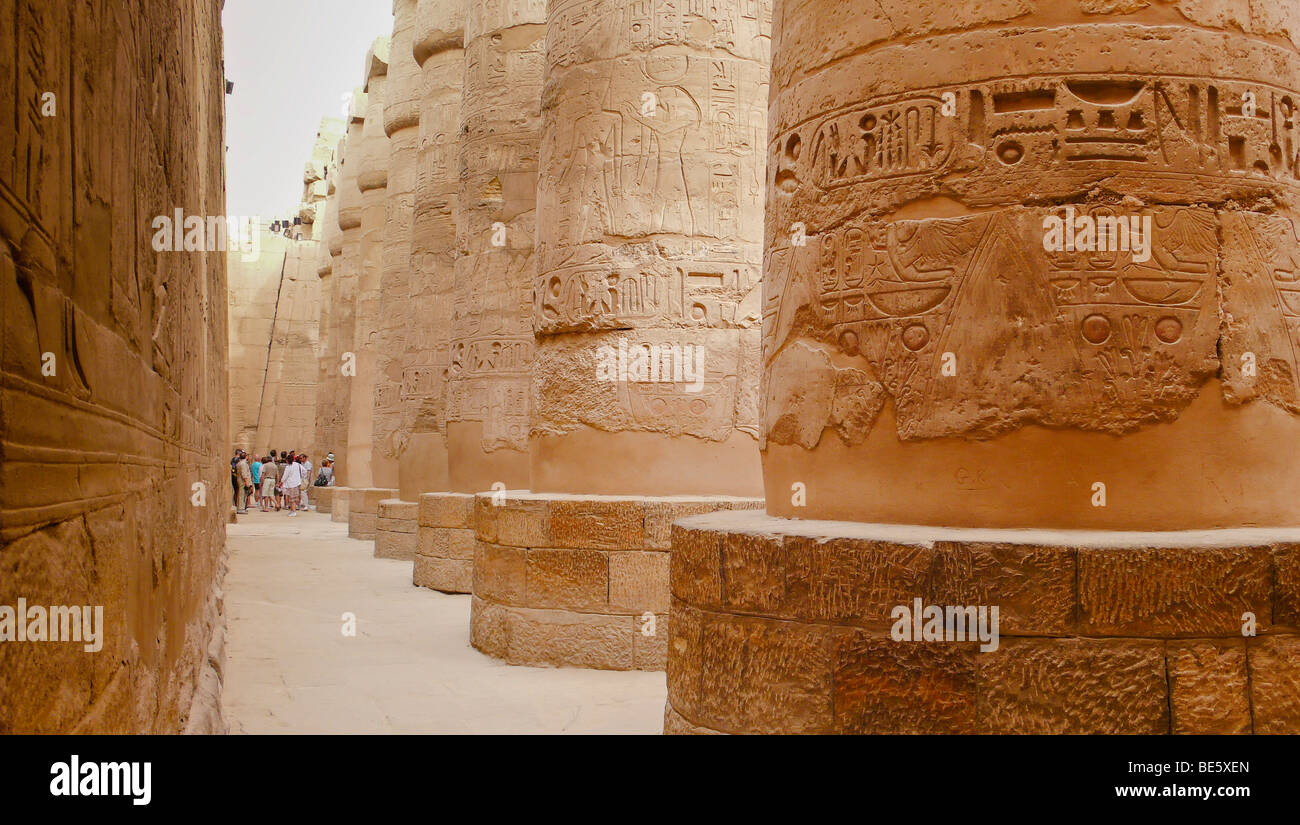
(291, 61)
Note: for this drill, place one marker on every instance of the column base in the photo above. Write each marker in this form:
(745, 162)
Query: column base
(340, 506)
(396, 530)
(788, 626)
(444, 554)
(577, 581)
(363, 511)
(323, 498)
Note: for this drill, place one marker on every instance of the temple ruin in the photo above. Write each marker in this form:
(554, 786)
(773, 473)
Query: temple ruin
(915, 366)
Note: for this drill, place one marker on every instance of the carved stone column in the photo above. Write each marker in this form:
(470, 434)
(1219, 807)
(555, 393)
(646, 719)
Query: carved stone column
(445, 547)
(1030, 267)
(646, 309)
(491, 338)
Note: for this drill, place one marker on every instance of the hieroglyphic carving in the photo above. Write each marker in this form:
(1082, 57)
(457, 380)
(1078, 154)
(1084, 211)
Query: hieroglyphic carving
(1132, 340)
(651, 179)
(491, 333)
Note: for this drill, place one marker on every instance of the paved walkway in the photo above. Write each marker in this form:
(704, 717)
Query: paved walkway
(409, 669)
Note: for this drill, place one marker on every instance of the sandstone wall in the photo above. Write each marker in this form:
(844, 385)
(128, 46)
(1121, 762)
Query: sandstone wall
(254, 284)
(287, 415)
(100, 457)
(652, 188)
(491, 327)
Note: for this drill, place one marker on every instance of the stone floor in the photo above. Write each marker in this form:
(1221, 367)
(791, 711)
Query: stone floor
(408, 669)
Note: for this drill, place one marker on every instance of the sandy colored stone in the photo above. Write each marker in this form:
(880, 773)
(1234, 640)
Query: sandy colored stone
(1094, 686)
(650, 642)
(638, 582)
(491, 340)
(650, 176)
(454, 510)
(1286, 585)
(763, 676)
(1275, 683)
(603, 524)
(447, 543)
(552, 637)
(676, 725)
(569, 579)
(500, 573)
(446, 575)
(1173, 592)
(884, 686)
(372, 157)
(342, 504)
(101, 458)
(1032, 585)
(695, 567)
(391, 544)
(1209, 687)
(919, 274)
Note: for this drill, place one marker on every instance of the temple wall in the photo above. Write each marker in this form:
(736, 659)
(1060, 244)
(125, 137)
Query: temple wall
(106, 450)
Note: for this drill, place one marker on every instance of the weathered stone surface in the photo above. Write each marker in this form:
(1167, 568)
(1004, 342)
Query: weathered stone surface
(744, 582)
(1073, 686)
(342, 505)
(323, 498)
(1286, 581)
(882, 686)
(447, 510)
(638, 582)
(446, 575)
(1275, 683)
(101, 455)
(1173, 592)
(500, 573)
(563, 543)
(396, 530)
(765, 676)
(1209, 688)
(568, 579)
(1033, 585)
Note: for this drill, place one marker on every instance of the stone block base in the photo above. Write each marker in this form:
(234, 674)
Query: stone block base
(444, 557)
(363, 511)
(395, 532)
(579, 581)
(323, 498)
(783, 626)
(339, 505)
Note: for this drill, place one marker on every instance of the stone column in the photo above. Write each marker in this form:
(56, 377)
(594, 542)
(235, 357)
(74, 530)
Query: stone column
(445, 546)
(439, 52)
(347, 276)
(372, 183)
(647, 310)
(491, 327)
(650, 258)
(397, 315)
(326, 228)
(1029, 266)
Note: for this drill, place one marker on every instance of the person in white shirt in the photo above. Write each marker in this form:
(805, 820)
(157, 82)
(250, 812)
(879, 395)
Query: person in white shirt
(306, 482)
(290, 483)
